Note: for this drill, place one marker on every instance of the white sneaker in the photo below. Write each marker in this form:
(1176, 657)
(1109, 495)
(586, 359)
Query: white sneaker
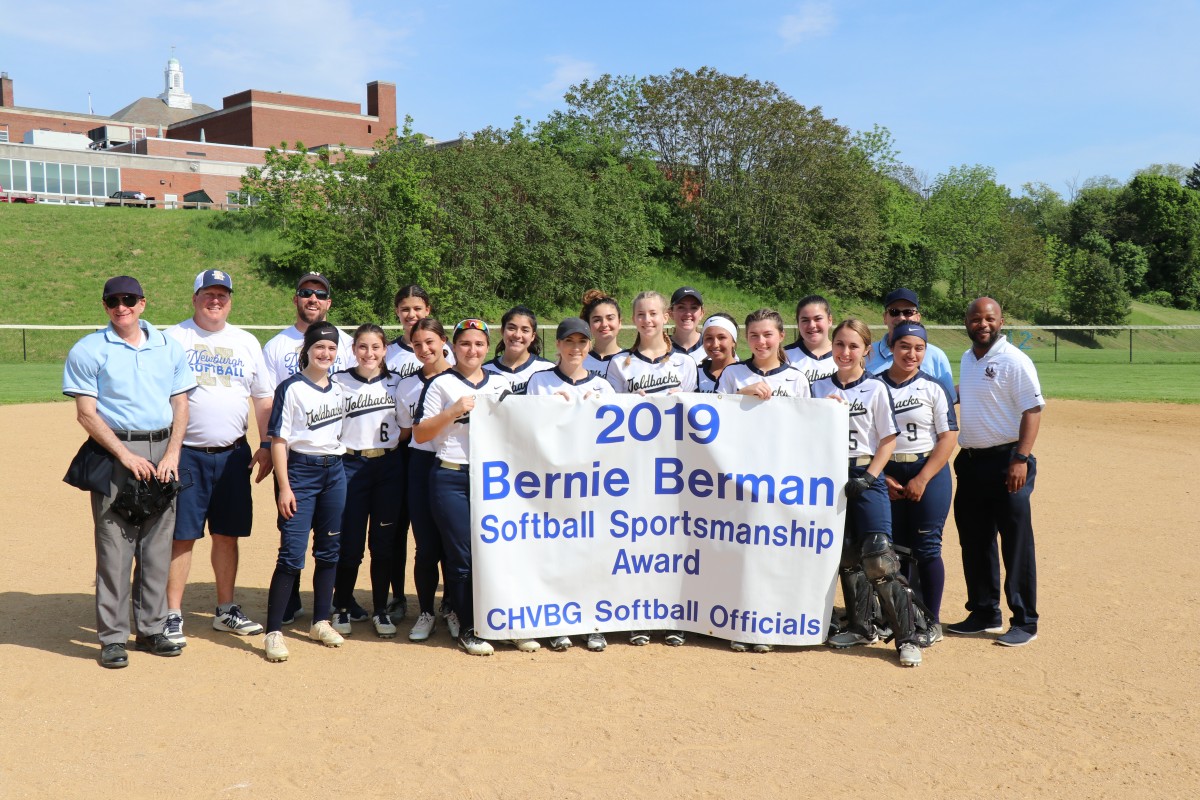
(234, 621)
(526, 645)
(341, 622)
(763, 648)
(452, 624)
(474, 645)
(276, 650)
(384, 628)
(424, 627)
(910, 655)
(738, 647)
(324, 633)
(597, 642)
(560, 643)
(173, 630)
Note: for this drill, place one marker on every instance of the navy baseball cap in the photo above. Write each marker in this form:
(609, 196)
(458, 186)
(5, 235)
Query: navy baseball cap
(901, 294)
(572, 325)
(314, 277)
(686, 291)
(212, 277)
(908, 329)
(122, 284)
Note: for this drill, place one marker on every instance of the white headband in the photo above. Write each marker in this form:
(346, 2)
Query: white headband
(722, 323)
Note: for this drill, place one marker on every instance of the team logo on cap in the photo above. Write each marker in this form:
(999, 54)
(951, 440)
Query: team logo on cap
(217, 274)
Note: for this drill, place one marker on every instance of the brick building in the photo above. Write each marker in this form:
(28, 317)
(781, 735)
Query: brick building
(168, 146)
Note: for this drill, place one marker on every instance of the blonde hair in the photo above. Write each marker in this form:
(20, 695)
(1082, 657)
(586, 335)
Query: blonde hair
(859, 327)
(637, 338)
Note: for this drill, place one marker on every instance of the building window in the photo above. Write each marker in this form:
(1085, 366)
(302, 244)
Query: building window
(53, 185)
(37, 177)
(68, 179)
(5, 173)
(3, 133)
(20, 179)
(98, 182)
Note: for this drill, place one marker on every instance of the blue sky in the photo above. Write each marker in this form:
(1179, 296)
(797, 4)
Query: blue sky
(1052, 92)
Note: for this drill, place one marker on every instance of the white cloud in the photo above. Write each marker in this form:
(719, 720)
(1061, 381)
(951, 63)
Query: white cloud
(811, 21)
(567, 72)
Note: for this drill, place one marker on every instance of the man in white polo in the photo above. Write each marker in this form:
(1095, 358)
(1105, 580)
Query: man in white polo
(1000, 405)
(216, 459)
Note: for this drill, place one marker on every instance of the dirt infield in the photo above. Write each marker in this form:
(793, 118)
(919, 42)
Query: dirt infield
(1103, 704)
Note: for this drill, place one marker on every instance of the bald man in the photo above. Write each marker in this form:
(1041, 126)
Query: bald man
(1000, 405)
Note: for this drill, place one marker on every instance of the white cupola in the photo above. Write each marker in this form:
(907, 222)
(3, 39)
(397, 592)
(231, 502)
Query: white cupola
(174, 95)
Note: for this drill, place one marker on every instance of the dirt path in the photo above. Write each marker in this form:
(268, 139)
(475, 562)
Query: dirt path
(1102, 705)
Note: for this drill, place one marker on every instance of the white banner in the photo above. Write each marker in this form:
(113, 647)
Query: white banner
(720, 515)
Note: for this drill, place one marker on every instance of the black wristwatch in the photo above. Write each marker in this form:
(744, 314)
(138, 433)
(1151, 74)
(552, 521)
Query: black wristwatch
(1024, 459)
(264, 445)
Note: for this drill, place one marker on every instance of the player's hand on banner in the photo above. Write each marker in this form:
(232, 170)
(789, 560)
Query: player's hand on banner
(760, 390)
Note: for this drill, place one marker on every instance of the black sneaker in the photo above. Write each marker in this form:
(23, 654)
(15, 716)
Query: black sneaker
(675, 638)
(113, 656)
(357, 612)
(972, 625)
(158, 644)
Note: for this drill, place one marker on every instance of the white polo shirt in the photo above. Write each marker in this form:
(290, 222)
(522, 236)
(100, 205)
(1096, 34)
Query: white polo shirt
(993, 393)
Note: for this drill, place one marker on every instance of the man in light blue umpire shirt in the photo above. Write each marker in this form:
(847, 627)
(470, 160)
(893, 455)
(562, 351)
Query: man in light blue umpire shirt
(901, 306)
(131, 384)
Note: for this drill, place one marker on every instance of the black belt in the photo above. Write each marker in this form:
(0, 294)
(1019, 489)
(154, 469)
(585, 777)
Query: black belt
(210, 450)
(983, 452)
(143, 436)
(314, 461)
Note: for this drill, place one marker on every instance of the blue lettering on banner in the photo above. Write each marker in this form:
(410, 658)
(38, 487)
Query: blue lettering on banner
(539, 616)
(647, 609)
(529, 485)
(537, 526)
(786, 490)
(656, 562)
(721, 530)
(767, 624)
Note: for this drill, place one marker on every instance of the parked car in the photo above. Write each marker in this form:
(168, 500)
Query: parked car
(128, 197)
(16, 197)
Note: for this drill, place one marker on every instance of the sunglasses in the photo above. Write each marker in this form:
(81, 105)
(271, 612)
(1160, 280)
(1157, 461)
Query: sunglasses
(903, 312)
(127, 300)
(320, 294)
(472, 325)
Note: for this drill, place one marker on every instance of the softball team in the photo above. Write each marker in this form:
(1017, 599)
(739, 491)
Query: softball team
(374, 467)
(363, 451)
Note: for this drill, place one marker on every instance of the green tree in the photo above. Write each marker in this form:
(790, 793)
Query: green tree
(363, 221)
(964, 220)
(1094, 289)
(1163, 218)
(1193, 178)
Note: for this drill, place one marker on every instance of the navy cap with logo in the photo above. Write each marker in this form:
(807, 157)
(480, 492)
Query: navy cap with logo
(899, 295)
(686, 291)
(314, 277)
(572, 325)
(908, 329)
(122, 284)
(212, 277)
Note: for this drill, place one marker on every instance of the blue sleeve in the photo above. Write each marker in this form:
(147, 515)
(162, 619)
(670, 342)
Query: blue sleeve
(81, 372)
(275, 425)
(941, 372)
(184, 380)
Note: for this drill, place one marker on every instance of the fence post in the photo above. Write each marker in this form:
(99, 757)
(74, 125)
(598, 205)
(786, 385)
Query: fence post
(1055, 346)
(1131, 345)
(24, 352)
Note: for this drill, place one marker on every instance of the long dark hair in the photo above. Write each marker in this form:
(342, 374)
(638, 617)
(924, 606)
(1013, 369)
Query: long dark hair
(535, 347)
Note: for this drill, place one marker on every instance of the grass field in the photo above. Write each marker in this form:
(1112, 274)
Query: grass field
(56, 257)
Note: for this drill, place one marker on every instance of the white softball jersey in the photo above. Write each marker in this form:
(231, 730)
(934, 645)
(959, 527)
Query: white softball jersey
(871, 415)
(282, 354)
(519, 375)
(696, 351)
(229, 368)
(370, 421)
(705, 381)
(630, 372)
(453, 444)
(813, 367)
(552, 381)
(993, 393)
(408, 399)
(785, 380)
(308, 417)
(401, 359)
(598, 364)
(923, 412)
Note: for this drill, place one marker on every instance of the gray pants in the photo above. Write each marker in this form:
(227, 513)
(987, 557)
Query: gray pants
(118, 545)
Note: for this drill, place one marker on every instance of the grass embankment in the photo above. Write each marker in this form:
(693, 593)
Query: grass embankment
(54, 259)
